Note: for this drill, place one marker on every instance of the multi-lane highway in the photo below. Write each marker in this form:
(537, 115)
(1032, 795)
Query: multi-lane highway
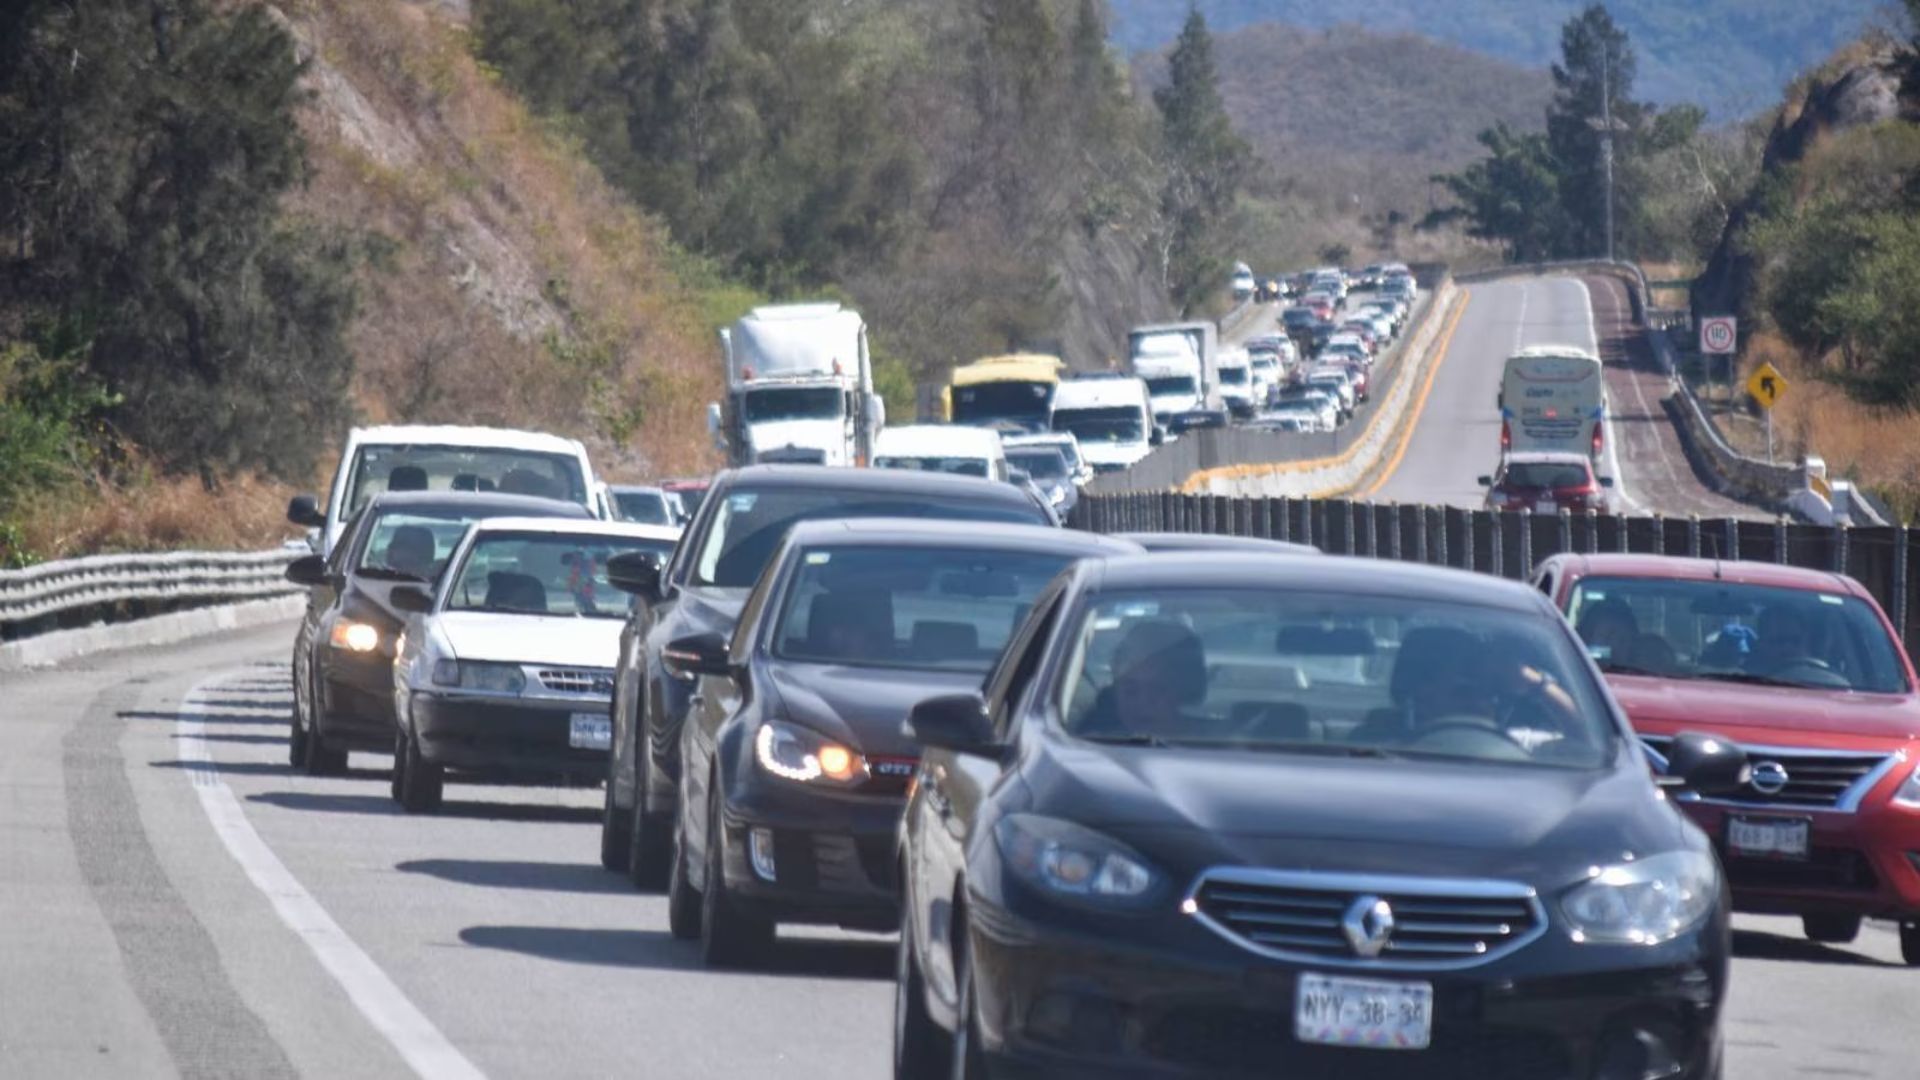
(179, 902)
(1455, 436)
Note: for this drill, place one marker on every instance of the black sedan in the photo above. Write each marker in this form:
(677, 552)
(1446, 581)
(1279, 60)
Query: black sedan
(741, 521)
(1222, 815)
(343, 651)
(794, 766)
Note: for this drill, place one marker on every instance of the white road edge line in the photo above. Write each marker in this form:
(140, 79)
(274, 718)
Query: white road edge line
(379, 999)
(1613, 439)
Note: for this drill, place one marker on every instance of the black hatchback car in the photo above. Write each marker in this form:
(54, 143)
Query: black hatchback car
(794, 766)
(343, 651)
(1225, 815)
(742, 519)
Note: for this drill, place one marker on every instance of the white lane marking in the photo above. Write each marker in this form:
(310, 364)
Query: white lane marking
(418, 1041)
(1612, 433)
(1520, 327)
(1614, 291)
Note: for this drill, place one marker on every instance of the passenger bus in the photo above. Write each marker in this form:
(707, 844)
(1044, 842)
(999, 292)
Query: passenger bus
(1014, 390)
(1553, 397)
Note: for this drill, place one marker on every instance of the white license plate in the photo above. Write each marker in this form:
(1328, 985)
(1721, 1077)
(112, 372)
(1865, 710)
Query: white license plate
(1546, 506)
(1374, 1014)
(1784, 838)
(590, 731)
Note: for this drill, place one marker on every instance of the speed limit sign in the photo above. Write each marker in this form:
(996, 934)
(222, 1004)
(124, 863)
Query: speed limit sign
(1718, 334)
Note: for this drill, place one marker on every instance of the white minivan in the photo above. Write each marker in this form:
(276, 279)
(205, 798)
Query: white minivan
(446, 458)
(1112, 416)
(956, 448)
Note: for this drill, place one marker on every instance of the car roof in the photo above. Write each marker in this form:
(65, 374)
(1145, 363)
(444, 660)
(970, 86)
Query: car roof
(1175, 541)
(1737, 571)
(1547, 457)
(462, 435)
(628, 529)
(922, 532)
(1100, 393)
(495, 504)
(1288, 573)
(636, 489)
(884, 481)
(939, 438)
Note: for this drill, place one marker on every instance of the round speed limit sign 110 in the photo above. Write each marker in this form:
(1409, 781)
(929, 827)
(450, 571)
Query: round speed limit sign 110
(1718, 335)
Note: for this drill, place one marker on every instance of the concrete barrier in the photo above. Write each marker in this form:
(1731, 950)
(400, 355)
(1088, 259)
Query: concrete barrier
(60, 646)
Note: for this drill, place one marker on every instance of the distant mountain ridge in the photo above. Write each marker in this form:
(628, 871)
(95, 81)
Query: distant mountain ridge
(1731, 56)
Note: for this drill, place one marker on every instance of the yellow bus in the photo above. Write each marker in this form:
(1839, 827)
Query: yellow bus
(1016, 389)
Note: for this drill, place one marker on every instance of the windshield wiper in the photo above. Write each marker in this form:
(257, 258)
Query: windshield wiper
(1749, 678)
(388, 573)
(1613, 668)
(1127, 740)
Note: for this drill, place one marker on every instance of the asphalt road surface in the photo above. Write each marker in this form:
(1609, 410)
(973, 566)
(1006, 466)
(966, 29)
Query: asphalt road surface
(1456, 437)
(179, 902)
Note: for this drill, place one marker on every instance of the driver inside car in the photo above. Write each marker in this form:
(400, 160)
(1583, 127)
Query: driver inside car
(1159, 669)
(1784, 642)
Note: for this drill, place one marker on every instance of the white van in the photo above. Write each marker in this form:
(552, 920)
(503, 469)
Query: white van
(965, 451)
(446, 458)
(1111, 415)
(1553, 397)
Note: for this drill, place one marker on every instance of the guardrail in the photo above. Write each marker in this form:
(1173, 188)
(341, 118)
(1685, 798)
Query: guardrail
(1510, 544)
(43, 597)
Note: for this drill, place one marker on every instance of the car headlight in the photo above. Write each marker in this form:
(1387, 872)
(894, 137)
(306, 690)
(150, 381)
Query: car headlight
(1645, 902)
(1070, 861)
(1909, 793)
(479, 675)
(354, 636)
(792, 752)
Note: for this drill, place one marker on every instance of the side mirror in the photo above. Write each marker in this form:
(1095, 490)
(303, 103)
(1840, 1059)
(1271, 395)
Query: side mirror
(1606, 481)
(1158, 437)
(637, 572)
(716, 426)
(1706, 765)
(1018, 475)
(1485, 481)
(956, 722)
(412, 599)
(308, 570)
(697, 654)
(305, 510)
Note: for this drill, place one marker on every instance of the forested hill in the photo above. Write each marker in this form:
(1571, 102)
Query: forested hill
(1732, 56)
(1351, 112)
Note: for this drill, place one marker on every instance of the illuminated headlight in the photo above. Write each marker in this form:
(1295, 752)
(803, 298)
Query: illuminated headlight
(1069, 861)
(1909, 793)
(353, 636)
(1644, 902)
(476, 675)
(794, 753)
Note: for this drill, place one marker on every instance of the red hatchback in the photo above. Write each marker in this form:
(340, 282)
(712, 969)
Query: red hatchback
(1546, 483)
(1803, 670)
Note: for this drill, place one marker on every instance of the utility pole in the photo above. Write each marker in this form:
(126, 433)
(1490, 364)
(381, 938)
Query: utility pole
(1607, 125)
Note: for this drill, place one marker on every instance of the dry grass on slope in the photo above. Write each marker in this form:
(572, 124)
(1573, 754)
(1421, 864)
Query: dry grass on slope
(507, 283)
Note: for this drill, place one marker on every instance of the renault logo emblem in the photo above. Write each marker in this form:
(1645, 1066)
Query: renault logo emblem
(1368, 924)
(1769, 778)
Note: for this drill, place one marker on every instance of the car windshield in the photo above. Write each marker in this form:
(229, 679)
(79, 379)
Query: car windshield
(1001, 401)
(644, 507)
(1547, 474)
(909, 607)
(390, 467)
(1118, 424)
(1738, 633)
(1359, 675)
(1042, 463)
(1170, 384)
(958, 466)
(749, 524)
(1233, 376)
(769, 404)
(541, 573)
(413, 543)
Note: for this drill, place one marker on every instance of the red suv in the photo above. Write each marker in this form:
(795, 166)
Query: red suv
(1546, 483)
(1802, 669)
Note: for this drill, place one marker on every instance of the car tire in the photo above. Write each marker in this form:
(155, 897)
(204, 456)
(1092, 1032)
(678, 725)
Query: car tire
(422, 784)
(921, 1048)
(399, 757)
(320, 759)
(729, 937)
(683, 901)
(1831, 929)
(1910, 943)
(616, 830)
(650, 847)
(297, 725)
(969, 1059)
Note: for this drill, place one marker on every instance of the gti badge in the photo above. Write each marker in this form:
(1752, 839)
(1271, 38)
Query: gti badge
(1368, 924)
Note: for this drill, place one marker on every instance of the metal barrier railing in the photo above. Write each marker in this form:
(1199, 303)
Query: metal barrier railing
(46, 592)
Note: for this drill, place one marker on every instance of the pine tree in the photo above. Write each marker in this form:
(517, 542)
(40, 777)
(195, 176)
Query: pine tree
(1207, 165)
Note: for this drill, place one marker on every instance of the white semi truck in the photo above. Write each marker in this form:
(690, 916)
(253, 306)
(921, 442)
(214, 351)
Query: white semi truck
(1180, 364)
(799, 388)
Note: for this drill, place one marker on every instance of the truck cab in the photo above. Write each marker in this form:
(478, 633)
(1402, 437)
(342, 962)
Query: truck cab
(799, 388)
(1110, 415)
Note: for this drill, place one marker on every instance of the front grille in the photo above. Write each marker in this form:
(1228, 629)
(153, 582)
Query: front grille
(1435, 922)
(1841, 869)
(1815, 779)
(577, 680)
(1248, 1041)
